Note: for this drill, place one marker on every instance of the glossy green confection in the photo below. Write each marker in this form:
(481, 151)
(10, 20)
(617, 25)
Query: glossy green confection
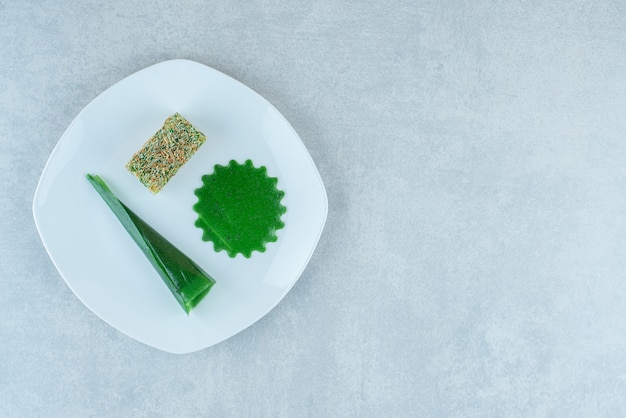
(239, 208)
(186, 280)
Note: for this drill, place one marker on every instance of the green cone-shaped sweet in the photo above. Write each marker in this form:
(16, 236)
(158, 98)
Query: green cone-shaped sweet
(186, 280)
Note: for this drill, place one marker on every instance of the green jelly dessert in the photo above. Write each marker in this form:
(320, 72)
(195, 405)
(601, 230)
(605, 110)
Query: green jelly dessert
(186, 280)
(239, 208)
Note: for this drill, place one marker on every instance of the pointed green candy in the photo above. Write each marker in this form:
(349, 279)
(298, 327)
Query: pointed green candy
(186, 280)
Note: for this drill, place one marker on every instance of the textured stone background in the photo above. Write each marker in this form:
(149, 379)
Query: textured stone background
(474, 258)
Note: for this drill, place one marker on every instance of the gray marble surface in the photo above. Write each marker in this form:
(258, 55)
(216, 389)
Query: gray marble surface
(474, 258)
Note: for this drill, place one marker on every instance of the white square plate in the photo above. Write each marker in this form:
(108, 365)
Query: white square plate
(96, 256)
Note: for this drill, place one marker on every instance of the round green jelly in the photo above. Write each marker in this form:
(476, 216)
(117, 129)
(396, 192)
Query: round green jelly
(239, 208)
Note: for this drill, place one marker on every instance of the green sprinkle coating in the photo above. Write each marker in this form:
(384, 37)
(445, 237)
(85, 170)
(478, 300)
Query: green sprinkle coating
(165, 152)
(239, 208)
